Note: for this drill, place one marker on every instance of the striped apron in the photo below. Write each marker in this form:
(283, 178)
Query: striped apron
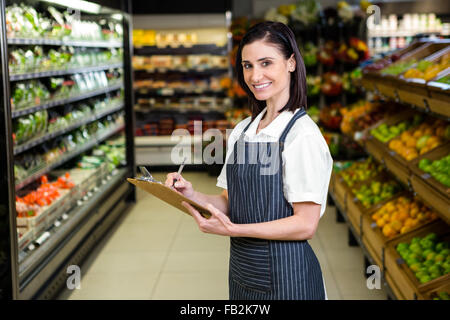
(266, 269)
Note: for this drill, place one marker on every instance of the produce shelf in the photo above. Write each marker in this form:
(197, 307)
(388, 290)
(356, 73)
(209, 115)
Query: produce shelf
(92, 142)
(193, 72)
(28, 145)
(73, 43)
(363, 247)
(54, 73)
(51, 104)
(34, 254)
(167, 92)
(195, 49)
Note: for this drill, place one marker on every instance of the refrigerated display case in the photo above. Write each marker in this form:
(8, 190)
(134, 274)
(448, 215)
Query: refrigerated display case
(66, 137)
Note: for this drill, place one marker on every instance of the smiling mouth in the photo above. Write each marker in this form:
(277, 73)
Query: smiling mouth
(262, 86)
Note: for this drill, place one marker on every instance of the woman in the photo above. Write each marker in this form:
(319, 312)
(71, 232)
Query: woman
(270, 214)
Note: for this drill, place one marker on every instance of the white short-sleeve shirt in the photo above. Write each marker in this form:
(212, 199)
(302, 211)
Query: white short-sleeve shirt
(307, 162)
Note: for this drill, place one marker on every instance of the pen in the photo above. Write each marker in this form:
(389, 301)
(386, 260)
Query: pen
(179, 171)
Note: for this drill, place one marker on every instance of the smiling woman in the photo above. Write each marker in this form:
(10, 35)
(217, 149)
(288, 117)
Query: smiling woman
(270, 215)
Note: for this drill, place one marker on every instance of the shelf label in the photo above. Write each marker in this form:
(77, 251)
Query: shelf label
(373, 225)
(65, 216)
(358, 135)
(167, 92)
(44, 237)
(392, 153)
(57, 224)
(400, 261)
(426, 176)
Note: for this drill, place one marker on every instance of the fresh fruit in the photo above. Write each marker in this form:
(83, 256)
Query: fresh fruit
(417, 141)
(428, 70)
(376, 191)
(423, 257)
(398, 68)
(439, 169)
(384, 133)
(361, 171)
(361, 115)
(400, 215)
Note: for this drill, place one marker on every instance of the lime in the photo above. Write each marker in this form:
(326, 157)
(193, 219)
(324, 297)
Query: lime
(425, 279)
(442, 246)
(439, 258)
(415, 267)
(431, 256)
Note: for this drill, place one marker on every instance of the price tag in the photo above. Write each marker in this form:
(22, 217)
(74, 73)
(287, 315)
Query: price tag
(31, 247)
(96, 189)
(103, 182)
(65, 216)
(400, 261)
(426, 176)
(392, 153)
(79, 202)
(89, 194)
(373, 225)
(167, 92)
(57, 224)
(358, 135)
(43, 238)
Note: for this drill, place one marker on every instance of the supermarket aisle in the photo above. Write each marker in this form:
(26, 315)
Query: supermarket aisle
(154, 252)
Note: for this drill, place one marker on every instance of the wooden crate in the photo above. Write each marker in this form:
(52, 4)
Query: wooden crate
(400, 273)
(388, 84)
(373, 237)
(355, 209)
(445, 287)
(439, 95)
(375, 148)
(340, 190)
(400, 165)
(435, 154)
(413, 92)
(394, 287)
(398, 169)
(431, 197)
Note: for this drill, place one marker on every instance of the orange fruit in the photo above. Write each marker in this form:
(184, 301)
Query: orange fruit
(404, 229)
(381, 223)
(403, 216)
(396, 225)
(417, 134)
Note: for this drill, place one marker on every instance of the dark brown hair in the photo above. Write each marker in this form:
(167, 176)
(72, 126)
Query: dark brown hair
(283, 38)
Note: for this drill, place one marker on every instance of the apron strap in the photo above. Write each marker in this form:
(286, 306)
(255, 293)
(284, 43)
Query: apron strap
(296, 116)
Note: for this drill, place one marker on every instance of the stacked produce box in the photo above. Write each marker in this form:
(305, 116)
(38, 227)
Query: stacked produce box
(406, 233)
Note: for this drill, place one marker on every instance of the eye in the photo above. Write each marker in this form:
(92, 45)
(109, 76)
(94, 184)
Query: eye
(265, 63)
(247, 65)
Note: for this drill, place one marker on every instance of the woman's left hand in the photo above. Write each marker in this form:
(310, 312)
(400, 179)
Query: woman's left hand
(218, 223)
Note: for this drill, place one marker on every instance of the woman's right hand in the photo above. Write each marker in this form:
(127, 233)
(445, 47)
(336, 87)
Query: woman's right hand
(181, 185)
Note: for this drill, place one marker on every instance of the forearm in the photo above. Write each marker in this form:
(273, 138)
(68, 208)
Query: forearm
(290, 228)
(218, 201)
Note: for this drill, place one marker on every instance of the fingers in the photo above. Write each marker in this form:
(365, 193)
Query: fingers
(171, 176)
(217, 213)
(197, 216)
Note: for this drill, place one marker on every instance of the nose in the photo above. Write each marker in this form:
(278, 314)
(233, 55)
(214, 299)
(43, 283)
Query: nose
(256, 75)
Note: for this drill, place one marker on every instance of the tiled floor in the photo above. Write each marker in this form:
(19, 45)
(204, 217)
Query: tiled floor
(155, 252)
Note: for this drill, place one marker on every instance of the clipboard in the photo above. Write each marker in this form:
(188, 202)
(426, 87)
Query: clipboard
(169, 196)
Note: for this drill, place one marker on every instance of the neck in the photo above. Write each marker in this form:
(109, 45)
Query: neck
(275, 104)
